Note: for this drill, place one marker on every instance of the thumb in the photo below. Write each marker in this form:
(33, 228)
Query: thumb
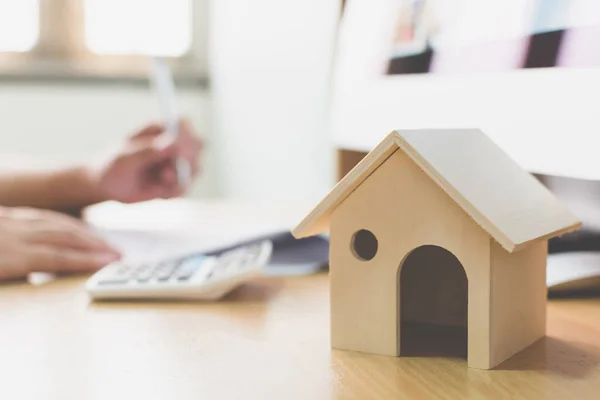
(160, 148)
(164, 140)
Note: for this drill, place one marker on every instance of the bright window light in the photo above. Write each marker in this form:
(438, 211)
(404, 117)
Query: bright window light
(19, 25)
(146, 27)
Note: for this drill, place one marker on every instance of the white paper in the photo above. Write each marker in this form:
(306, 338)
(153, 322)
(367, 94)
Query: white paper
(148, 245)
(164, 228)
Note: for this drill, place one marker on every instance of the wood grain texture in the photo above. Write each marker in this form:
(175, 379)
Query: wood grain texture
(403, 216)
(506, 201)
(519, 295)
(269, 340)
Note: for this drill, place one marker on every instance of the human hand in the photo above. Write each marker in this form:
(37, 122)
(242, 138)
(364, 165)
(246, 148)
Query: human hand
(144, 167)
(33, 240)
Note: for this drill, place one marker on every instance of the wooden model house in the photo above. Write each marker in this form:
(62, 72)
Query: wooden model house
(438, 234)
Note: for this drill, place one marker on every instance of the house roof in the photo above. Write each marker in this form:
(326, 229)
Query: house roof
(507, 202)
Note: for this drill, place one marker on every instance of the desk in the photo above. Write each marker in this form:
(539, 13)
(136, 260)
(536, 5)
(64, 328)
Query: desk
(267, 340)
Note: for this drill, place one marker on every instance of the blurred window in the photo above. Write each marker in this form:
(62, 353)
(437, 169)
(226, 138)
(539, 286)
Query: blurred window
(159, 27)
(19, 27)
(102, 38)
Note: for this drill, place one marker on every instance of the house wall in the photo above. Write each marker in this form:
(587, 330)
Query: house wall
(518, 299)
(405, 209)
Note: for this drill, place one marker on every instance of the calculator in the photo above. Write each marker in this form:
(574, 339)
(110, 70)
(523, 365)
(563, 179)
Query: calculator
(194, 277)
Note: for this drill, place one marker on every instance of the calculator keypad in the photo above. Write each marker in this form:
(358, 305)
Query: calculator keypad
(235, 260)
(143, 273)
(228, 263)
(162, 272)
(165, 271)
(188, 267)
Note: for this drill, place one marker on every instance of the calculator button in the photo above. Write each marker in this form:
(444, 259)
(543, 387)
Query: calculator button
(246, 262)
(255, 250)
(117, 275)
(189, 266)
(186, 276)
(143, 273)
(224, 266)
(123, 271)
(165, 271)
(113, 281)
(186, 271)
(226, 258)
(141, 269)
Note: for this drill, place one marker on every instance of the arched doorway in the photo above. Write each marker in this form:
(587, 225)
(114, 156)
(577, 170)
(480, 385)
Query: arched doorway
(433, 304)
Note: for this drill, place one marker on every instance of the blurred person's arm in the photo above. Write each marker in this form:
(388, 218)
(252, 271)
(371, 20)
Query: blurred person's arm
(33, 240)
(61, 189)
(141, 168)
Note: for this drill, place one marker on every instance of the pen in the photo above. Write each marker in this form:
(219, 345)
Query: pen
(165, 90)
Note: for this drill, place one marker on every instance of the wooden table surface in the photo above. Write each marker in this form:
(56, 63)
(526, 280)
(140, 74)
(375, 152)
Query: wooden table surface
(266, 340)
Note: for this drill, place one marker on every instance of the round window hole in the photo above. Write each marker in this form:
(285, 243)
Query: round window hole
(364, 245)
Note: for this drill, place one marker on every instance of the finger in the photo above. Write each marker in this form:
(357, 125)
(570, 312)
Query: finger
(165, 191)
(190, 148)
(151, 159)
(189, 144)
(187, 138)
(74, 239)
(43, 217)
(60, 229)
(13, 275)
(12, 270)
(162, 148)
(149, 132)
(54, 259)
(195, 165)
(168, 175)
(170, 192)
(162, 182)
(192, 155)
(192, 159)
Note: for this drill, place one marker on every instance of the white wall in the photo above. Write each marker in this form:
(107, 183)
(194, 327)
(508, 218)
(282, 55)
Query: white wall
(58, 122)
(270, 65)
